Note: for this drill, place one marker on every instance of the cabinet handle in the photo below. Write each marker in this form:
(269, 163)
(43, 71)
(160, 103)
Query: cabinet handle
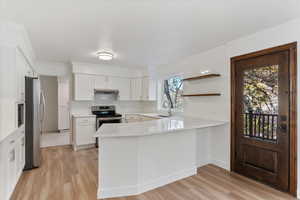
(12, 141)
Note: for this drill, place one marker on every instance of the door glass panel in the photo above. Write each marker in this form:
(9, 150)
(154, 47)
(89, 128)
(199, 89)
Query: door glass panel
(260, 102)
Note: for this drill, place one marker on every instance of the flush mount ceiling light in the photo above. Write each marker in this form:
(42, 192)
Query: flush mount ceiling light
(104, 55)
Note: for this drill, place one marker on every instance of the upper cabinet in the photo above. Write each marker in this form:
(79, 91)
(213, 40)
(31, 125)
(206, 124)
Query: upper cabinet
(100, 82)
(83, 87)
(121, 84)
(22, 70)
(136, 89)
(16, 58)
(149, 89)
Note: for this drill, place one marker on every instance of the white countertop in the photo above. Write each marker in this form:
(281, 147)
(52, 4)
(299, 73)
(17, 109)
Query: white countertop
(158, 126)
(83, 115)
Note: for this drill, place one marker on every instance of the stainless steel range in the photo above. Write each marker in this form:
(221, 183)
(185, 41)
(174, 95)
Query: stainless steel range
(105, 114)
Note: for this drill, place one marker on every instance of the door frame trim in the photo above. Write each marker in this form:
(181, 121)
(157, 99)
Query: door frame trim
(292, 48)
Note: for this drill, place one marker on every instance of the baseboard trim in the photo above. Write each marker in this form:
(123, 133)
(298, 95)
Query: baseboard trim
(117, 192)
(221, 164)
(144, 187)
(159, 182)
(55, 139)
(81, 147)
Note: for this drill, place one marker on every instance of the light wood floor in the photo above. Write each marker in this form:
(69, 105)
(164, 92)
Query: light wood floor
(68, 175)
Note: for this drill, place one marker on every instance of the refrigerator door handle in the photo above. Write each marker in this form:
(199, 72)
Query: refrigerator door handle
(42, 108)
(44, 104)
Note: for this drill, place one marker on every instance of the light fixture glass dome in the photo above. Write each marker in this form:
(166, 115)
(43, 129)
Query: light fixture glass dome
(104, 55)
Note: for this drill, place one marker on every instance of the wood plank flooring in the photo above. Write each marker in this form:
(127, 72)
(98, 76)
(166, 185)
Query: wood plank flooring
(68, 175)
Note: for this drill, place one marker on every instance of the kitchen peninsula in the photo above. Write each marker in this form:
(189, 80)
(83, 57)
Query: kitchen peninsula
(140, 156)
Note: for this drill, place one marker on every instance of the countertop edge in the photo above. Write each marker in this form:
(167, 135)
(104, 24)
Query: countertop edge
(82, 115)
(212, 124)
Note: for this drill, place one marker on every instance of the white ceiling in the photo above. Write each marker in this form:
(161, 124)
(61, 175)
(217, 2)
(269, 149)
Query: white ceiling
(142, 33)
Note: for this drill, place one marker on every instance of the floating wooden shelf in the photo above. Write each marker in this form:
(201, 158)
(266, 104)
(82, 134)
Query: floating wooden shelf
(202, 77)
(201, 95)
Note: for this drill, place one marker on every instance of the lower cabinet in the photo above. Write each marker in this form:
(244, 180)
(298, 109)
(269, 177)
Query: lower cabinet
(84, 129)
(12, 161)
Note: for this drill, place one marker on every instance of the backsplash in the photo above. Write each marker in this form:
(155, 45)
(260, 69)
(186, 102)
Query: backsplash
(81, 107)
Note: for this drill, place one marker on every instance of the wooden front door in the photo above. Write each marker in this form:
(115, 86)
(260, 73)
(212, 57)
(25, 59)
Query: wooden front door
(263, 118)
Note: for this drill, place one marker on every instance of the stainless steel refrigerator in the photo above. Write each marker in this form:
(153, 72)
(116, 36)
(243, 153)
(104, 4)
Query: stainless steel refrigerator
(34, 116)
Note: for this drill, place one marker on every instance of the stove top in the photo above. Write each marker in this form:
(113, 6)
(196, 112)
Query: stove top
(105, 112)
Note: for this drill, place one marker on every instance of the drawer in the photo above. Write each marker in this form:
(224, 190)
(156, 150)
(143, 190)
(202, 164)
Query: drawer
(86, 121)
(83, 121)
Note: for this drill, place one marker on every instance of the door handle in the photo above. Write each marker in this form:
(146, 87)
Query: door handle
(283, 127)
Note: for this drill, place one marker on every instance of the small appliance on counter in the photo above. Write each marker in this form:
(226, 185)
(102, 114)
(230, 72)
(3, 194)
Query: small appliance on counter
(105, 114)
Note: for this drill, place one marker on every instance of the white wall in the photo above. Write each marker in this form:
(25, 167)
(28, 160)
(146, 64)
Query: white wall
(53, 68)
(218, 60)
(101, 69)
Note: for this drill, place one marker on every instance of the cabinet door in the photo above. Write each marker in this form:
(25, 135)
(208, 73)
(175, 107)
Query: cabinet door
(149, 89)
(136, 89)
(100, 82)
(92, 130)
(85, 130)
(11, 166)
(21, 66)
(84, 87)
(63, 104)
(121, 84)
(145, 89)
(63, 117)
(152, 90)
(22, 152)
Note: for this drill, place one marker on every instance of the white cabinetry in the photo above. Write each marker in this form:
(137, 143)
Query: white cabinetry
(136, 89)
(84, 129)
(63, 103)
(12, 158)
(121, 84)
(22, 70)
(83, 87)
(101, 82)
(21, 143)
(149, 91)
